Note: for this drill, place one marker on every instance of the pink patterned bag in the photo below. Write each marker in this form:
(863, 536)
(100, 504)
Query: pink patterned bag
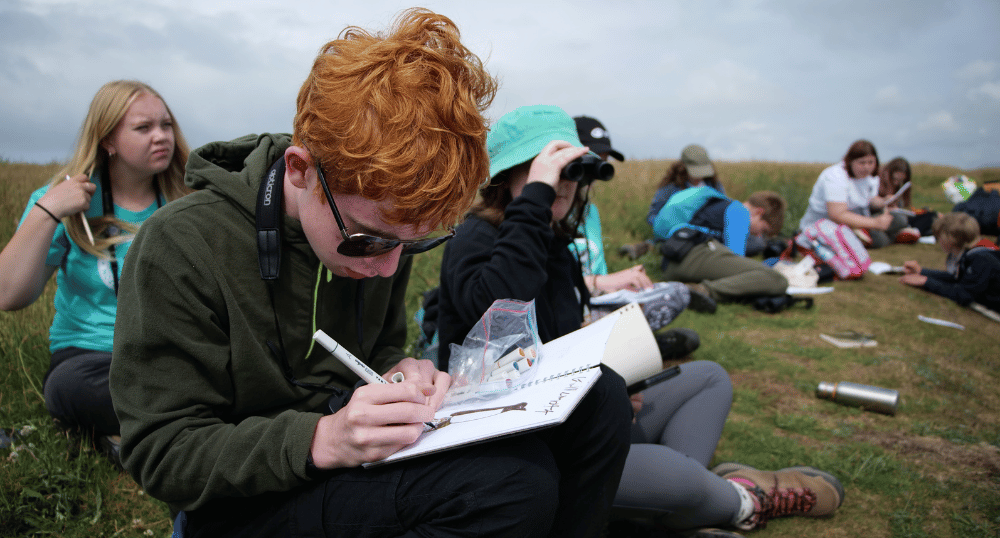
(835, 245)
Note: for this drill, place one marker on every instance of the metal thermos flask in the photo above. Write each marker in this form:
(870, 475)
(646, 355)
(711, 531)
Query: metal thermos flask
(866, 397)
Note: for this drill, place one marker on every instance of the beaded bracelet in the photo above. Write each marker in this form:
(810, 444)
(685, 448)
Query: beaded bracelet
(55, 218)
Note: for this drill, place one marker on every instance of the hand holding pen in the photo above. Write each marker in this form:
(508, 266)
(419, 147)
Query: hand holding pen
(69, 197)
(83, 214)
(380, 417)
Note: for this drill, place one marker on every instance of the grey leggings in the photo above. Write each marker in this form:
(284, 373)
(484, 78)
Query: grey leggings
(673, 439)
(77, 391)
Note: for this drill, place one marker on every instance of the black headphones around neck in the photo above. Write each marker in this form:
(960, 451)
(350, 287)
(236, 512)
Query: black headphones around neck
(269, 208)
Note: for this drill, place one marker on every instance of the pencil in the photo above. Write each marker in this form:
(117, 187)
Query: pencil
(83, 219)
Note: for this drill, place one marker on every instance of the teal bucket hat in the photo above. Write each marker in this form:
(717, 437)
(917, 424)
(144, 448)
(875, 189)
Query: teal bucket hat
(521, 134)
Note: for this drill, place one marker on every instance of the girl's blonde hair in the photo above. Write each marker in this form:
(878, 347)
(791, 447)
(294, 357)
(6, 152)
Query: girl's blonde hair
(106, 111)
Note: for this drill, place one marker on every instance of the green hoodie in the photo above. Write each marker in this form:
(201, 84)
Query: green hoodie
(205, 408)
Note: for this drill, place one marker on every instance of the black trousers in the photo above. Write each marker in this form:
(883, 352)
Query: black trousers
(77, 392)
(559, 481)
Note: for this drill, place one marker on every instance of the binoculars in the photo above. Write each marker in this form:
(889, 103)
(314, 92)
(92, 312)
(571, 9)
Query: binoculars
(588, 168)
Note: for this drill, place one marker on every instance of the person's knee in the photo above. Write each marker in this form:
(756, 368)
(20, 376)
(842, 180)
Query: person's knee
(614, 408)
(520, 483)
(776, 282)
(715, 375)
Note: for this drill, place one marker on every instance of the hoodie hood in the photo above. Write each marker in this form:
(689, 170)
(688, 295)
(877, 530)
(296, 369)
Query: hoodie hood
(234, 169)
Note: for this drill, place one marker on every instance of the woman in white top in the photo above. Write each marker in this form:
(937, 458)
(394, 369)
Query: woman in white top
(847, 193)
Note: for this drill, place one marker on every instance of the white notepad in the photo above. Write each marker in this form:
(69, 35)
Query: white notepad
(567, 369)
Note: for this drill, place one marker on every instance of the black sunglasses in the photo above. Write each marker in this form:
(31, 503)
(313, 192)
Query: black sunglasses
(364, 245)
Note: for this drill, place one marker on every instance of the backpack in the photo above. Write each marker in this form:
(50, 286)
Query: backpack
(681, 207)
(984, 206)
(835, 245)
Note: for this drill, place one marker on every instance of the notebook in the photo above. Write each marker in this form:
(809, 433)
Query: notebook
(568, 368)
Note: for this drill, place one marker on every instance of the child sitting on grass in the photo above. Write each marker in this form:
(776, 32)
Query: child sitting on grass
(973, 264)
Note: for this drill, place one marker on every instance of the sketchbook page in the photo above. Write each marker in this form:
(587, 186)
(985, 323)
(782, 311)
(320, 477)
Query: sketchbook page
(566, 371)
(631, 348)
(476, 421)
(899, 193)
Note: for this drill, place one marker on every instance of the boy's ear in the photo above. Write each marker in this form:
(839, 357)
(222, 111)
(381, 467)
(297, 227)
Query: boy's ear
(296, 165)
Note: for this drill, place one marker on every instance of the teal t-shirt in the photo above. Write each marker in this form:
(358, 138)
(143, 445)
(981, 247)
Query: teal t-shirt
(589, 248)
(85, 301)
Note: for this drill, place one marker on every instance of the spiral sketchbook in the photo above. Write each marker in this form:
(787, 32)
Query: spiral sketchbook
(568, 368)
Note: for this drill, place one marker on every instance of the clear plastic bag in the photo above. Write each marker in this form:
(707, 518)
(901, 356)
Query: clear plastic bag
(498, 355)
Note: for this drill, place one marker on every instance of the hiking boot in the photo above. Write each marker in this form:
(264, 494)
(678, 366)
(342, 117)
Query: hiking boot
(701, 299)
(908, 235)
(110, 446)
(677, 343)
(702, 302)
(634, 251)
(793, 491)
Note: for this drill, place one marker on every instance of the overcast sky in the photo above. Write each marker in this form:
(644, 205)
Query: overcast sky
(779, 80)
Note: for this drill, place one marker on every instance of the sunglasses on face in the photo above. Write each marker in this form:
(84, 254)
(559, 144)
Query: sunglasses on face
(364, 245)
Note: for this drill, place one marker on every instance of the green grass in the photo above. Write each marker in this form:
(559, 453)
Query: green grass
(933, 470)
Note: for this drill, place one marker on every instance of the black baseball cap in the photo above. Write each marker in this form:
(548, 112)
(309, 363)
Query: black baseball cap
(595, 136)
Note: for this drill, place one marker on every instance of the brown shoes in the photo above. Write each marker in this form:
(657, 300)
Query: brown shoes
(793, 491)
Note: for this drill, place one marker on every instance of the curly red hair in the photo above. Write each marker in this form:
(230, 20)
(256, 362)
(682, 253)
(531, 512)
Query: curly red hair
(400, 116)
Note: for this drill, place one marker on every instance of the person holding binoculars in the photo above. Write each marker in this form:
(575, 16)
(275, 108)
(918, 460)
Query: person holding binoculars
(513, 245)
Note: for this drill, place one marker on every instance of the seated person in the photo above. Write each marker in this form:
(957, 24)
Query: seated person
(973, 264)
(891, 179)
(230, 412)
(513, 246)
(847, 193)
(588, 247)
(694, 169)
(705, 237)
(133, 152)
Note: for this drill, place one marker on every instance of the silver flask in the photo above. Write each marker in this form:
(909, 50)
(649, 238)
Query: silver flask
(867, 397)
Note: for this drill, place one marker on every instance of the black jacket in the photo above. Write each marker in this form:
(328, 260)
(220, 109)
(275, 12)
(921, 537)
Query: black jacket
(522, 259)
(977, 279)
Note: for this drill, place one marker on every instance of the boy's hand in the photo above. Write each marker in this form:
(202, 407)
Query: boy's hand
(377, 422)
(915, 280)
(424, 371)
(911, 268)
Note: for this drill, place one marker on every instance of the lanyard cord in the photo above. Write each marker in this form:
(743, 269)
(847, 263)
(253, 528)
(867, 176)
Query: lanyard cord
(278, 350)
(108, 203)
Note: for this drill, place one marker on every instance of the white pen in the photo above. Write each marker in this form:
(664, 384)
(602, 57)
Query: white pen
(363, 370)
(352, 362)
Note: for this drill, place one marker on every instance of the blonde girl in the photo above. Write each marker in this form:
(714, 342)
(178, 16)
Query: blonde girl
(129, 160)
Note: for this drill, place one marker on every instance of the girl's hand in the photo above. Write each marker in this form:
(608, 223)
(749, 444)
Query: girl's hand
(877, 202)
(883, 221)
(633, 278)
(69, 197)
(636, 400)
(547, 165)
(911, 268)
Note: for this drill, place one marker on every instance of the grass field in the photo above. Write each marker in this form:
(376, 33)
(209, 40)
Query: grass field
(933, 470)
